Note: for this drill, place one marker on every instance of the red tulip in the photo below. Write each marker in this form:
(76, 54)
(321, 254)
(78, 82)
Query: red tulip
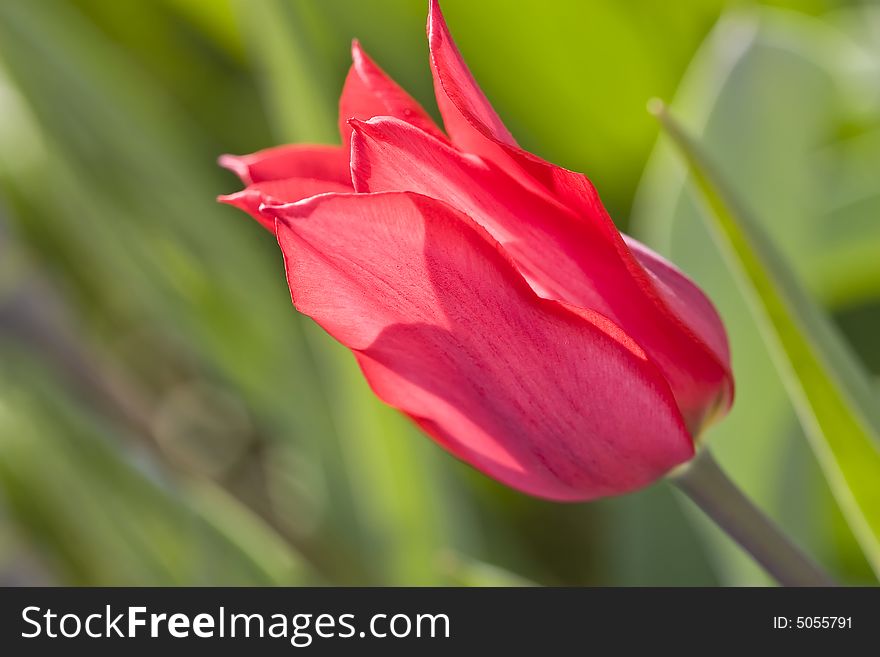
(486, 293)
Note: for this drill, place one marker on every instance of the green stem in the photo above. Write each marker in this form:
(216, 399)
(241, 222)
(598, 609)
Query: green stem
(704, 482)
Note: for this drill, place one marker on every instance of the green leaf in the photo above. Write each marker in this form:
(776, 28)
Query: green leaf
(834, 400)
(769, 94)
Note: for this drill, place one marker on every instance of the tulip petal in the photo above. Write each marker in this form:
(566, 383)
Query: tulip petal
(388, 155)
(277, 192)
(684, 307)
(684, 298)
(554, 401)
(469, 118)
(578, 259)
(291, 161)
(467, 114)
(369, 92)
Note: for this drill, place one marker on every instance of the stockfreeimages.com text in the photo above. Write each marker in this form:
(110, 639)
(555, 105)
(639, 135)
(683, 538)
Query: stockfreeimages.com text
(300, 629)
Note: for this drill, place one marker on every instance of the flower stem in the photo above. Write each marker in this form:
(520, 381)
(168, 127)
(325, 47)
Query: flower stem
(704, 482)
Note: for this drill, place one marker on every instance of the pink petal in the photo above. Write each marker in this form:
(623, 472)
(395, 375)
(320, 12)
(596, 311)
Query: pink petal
(388, 155)
(370, 92)
(276, 192)
(291, 161)
(467, 114)
(684, 298)
(470, 119)
(553, 401)
(685, 309)
(577, 258)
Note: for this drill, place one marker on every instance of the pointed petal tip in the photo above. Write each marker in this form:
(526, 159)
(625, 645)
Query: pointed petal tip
(357, 52)
(245, 200)
(356, 126)
(238, 165)
(367, 128)
(359, 124)
(253, 201)
(438, 29)
(468, 116)
(231, 162)
(362, 62)
(236, 199)
(435, 14)
(435, 19)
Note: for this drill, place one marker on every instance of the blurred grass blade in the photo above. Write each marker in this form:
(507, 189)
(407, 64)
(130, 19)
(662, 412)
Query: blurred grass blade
(832, 396)
(184, 271)
(288, 42)
(99, 518)
(248, 534)
(466, 571)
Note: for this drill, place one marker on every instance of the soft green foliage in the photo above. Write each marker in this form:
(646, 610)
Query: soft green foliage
(166, 417)
(776, 100)
(140, 530)
(835, 404)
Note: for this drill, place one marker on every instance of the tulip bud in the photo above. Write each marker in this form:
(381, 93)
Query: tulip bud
(486, 293)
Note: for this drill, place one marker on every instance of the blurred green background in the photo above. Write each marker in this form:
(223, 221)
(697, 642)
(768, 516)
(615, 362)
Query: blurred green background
(166, 417)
